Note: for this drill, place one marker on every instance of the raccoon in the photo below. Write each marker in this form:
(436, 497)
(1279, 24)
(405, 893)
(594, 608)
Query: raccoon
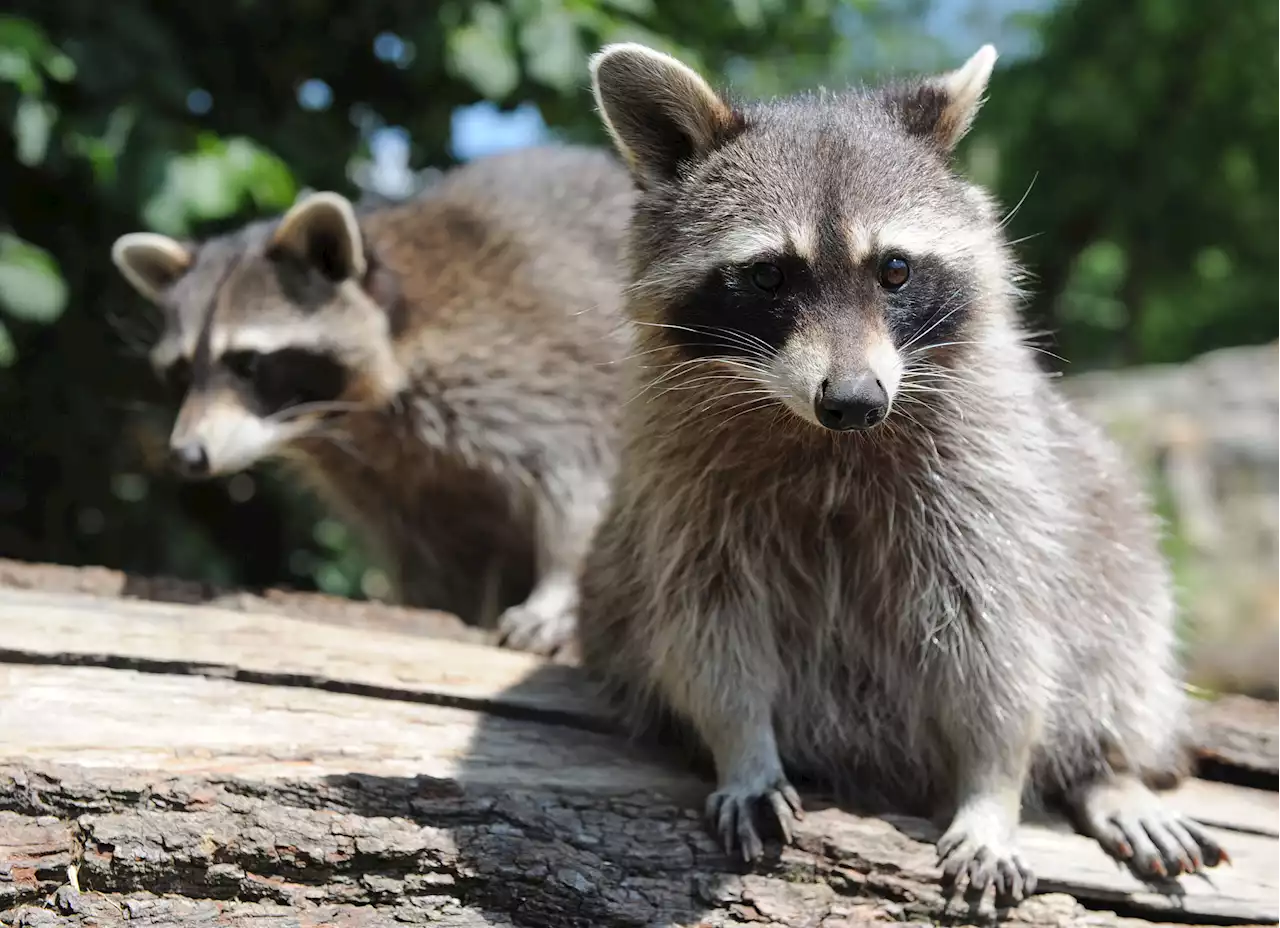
(441, 369)
(856, 537)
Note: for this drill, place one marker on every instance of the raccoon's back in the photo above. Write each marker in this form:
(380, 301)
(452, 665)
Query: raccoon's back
(520, 253)
(504, 288)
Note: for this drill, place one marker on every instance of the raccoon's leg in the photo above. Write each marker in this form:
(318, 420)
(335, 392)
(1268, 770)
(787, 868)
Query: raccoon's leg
(980, 842)
(566, 520)
(1133, 825)
(749, 777)
(720, 674)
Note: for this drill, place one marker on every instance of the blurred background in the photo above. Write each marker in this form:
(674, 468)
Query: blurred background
(1136, 137)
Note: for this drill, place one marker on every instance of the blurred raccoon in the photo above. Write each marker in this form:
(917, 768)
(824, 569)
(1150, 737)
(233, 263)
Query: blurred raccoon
(440, 369)
(860, 538)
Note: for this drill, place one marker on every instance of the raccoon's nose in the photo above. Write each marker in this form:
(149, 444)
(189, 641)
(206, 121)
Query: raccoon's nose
(189, 460)
(856, 403)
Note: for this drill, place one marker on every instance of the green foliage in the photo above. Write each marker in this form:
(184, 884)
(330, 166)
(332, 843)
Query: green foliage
(1148, 126)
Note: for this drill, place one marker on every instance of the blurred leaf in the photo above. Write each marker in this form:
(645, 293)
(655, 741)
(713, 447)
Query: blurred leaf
(31, 287)
(17, 68)
(32, 125)
(749, 12)
(552, 47)
(103, 151)
(633, 7)
(8, 353)
(214, 182)
(481, 52)
(330, 533)
(22, 35)
(59, 67)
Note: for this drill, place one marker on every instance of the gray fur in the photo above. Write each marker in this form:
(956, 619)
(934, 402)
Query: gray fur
(479, 326)
(956, 610)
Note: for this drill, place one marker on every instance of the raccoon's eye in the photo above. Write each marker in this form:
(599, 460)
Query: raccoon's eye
(244, 364)
(894, 273)
(768, 277)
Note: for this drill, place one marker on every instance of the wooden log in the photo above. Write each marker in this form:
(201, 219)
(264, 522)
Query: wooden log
(178, 765)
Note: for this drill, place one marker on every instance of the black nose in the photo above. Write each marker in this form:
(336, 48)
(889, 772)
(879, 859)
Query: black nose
(856, 403)
(189, 460)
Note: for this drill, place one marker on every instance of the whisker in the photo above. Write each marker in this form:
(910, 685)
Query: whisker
(302, 409)
(757, 346)
(1013, 212)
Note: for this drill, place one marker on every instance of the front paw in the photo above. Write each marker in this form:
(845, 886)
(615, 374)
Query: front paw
(984, 857)
(731, 813)
(526, 627)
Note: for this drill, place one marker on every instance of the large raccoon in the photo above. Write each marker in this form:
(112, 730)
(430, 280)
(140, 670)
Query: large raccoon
(444, 369)
(857, 536)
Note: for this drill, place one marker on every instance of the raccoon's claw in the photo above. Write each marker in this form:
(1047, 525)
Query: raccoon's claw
(1134, 826)
(526, 628)
(984, 863)
(731, 815)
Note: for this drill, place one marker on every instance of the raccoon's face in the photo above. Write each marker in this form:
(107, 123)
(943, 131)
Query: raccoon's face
(268, 332)
(820, 247)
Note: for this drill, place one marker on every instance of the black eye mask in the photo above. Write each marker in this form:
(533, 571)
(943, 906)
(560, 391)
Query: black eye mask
(288, 377)
(177, 379)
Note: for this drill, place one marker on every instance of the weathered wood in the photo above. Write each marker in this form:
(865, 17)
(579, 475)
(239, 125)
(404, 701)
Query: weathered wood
(189, 794)
(314, 607)
(1239, 732)
(69, 628)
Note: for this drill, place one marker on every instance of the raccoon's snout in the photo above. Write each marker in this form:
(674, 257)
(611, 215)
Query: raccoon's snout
(856, 403)
(189, 460)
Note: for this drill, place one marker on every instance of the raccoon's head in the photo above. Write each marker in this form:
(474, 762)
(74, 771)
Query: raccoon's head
(820, 246)
(268, 332)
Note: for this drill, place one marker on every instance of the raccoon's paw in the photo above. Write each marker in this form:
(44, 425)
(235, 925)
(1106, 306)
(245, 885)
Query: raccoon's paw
(1134, 826)
(527, 627)
(731, 813)
(983, 852)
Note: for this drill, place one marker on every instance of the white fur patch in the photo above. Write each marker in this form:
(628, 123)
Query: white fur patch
(266, 339)
(885, 363)
(232, 437)
(804, 239)
(862, 241)
(746, 244)
(798, 371)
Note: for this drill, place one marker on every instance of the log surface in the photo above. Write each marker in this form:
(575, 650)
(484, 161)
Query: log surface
(181, 765)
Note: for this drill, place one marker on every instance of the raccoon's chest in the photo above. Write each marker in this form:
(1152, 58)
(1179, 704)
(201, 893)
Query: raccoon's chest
(882, 562)
(862, 618)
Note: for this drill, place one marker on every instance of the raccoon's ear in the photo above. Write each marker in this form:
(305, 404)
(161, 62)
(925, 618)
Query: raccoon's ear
(321, 228)
(658, 110)
(150, 262)
(942, 108)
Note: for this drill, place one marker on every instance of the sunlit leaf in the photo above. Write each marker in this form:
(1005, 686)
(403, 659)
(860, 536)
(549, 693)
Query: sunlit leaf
(480, 52)
(60, 67)
(553, 48)
(31, 286)
(22, 35)
(215, 181)
(17, 68)
(31, 125)
(749, 12)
